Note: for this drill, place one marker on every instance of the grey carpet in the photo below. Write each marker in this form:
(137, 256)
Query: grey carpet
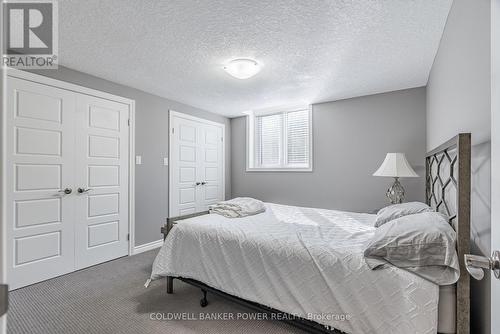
(111, 298)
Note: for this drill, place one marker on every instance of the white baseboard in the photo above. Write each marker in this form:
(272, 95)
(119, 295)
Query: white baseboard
(149, 246)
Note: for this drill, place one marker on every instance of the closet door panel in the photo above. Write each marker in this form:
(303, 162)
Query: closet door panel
(184, 162)
(101, 169)
(40, 156)
(196, 165)
(211, 148)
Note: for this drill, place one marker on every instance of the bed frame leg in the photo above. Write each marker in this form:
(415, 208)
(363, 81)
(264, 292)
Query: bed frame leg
(204, 301)
(170, 284)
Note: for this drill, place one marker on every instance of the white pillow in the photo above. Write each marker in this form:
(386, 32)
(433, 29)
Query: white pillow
(423, 243)
(395, 211)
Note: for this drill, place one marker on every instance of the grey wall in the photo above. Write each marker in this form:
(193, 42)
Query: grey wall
(350, 140)
(151, 179)
(459, 100)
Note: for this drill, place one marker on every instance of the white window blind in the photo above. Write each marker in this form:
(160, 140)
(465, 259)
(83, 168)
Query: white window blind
(268, 135)
(297, 131)
(281, 141)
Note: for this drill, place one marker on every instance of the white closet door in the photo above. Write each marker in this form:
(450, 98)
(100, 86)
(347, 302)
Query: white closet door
(196, 165)
(102, 143)
(40, 143)
(211, 162)
(184, 161)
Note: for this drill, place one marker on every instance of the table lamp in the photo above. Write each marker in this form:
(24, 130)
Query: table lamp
(395, 165)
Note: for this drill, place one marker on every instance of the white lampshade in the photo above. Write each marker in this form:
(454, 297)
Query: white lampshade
(395, 165)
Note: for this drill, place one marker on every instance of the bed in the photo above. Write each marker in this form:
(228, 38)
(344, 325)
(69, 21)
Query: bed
(306, 265)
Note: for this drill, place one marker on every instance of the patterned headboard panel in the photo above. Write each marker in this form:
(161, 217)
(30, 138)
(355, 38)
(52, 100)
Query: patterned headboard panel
(442, 183)
(448, 174)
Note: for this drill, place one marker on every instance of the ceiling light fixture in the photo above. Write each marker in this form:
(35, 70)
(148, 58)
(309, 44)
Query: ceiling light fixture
(242, 68)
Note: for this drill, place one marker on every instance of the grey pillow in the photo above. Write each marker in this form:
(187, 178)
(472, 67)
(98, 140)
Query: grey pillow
(395, 211)
(423, 243)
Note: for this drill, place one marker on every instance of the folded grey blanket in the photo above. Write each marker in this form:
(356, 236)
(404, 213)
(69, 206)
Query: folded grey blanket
(238, 207)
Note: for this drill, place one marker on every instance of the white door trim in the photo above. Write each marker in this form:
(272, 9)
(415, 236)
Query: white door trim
(3, 216)
(495, 160)
(148, 246)
(11, 72)
(173, 114)
(88, 91)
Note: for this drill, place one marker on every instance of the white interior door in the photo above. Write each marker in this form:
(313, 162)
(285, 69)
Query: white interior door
(3, 231)
(40, 165)
(196, 164)
(495, 158)
(184, 167)
(211, 161)
(67, 180)
(101, 185)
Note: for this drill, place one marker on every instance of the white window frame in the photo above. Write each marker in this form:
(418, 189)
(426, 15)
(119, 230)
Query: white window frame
(251, 141)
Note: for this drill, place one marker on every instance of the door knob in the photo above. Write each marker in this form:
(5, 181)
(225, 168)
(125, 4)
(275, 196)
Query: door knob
(66, 191)
(475, 265)
(83, 190)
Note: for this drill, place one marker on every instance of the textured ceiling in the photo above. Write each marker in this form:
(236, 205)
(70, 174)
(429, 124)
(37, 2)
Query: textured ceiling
(311, 51)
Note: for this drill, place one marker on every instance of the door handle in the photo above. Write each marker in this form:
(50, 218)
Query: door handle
(475, 265)
(83, 190)
(203, 183)
(66, 191)
(198, 183)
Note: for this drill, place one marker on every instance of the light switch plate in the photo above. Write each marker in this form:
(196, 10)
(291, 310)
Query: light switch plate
(138, 160)
(165, 161)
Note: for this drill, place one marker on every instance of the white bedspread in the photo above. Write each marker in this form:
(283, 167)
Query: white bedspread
(303, 261)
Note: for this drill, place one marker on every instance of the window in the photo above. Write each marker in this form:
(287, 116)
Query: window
(280, 141)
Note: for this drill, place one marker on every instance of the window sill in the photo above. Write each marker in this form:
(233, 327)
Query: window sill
(285, 170)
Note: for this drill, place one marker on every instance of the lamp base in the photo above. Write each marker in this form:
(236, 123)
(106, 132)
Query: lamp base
(396, 193)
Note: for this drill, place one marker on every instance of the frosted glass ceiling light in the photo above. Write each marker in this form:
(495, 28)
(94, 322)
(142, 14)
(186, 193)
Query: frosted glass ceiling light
(242, 68)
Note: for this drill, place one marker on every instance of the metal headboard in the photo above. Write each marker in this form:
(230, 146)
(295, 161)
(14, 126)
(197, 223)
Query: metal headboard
(448, 182)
